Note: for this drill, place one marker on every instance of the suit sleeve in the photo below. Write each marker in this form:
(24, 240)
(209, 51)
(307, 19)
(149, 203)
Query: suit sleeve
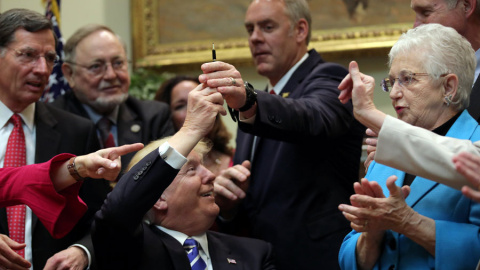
(59, 212)
(117, 231)
(421, 152)
(312, 110)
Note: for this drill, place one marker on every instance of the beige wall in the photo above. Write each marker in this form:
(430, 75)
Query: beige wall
(116, 15)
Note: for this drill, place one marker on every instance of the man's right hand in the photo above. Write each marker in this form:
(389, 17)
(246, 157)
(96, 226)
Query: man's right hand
(8, 258)
(230, 187)
(203, 106)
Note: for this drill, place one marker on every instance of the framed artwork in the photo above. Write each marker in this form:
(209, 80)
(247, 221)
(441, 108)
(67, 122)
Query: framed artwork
(175, 33)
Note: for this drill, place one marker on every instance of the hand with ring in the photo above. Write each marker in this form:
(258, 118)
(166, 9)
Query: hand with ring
(234, 83)
(227, 80)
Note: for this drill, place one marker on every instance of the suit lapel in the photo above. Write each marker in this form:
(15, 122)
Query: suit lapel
(47, 139)
(221, 255)
(299, 75)
(474, 106)
(129, 129)
(463, 128)
(175, 250)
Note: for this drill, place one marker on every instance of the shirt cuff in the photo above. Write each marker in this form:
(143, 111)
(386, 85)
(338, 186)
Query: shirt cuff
(250, 120)
(86, 252)
(171, 156)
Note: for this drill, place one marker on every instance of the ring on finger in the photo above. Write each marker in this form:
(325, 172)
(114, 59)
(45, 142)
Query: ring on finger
(233, 81)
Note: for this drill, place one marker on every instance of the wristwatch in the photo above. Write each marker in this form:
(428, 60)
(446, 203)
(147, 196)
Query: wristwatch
(251, 97)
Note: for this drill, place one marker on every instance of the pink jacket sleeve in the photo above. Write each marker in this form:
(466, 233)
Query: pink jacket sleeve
(31, 185)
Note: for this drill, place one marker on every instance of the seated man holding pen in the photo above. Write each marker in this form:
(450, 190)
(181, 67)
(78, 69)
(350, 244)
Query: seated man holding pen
(175, 196)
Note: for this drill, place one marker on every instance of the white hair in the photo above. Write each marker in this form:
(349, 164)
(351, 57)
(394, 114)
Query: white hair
(443, 51)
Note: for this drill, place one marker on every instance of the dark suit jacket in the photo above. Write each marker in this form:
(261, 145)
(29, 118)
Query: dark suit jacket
(60, 132)
(152, 117)
(306, 159)
(474, 106)
(123, 241)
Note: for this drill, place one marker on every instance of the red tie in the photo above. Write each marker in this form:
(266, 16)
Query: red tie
(16, 156)
(104, 125)
(272, 92)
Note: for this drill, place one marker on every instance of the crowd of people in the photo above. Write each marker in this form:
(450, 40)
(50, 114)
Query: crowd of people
(81, 191)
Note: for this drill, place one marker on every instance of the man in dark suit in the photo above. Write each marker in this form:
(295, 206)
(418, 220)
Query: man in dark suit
(27, 57)
(303, 144)
(96, 68)
(181, 193)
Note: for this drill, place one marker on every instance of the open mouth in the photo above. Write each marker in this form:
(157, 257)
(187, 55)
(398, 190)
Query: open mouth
(208, 194)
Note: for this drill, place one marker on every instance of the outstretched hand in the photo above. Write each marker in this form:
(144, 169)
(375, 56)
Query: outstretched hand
(104, 163)
(228, 81)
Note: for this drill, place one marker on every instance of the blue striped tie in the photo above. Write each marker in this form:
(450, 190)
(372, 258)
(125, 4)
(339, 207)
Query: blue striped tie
(196, 262)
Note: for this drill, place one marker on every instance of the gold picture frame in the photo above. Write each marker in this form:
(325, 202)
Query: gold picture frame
(167, 34)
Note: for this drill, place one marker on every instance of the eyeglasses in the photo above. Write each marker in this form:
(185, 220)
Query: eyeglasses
(30, 56)
(99, 68)
(404, 80)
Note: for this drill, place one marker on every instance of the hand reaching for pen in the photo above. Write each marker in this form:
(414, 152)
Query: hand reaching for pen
(228, 81)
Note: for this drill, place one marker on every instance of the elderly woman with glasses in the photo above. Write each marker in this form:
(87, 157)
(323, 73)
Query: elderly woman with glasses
(401, 221)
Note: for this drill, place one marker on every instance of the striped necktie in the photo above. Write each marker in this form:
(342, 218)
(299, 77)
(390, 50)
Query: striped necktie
(196, 262)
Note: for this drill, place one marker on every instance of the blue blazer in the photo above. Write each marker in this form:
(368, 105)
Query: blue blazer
(457, 220)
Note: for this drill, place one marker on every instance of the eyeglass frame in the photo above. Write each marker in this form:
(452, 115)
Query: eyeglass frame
(411, 75)
(31, 60)
(104, 64)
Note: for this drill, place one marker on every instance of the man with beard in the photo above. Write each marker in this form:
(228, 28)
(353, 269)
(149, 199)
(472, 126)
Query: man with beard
(96, 67)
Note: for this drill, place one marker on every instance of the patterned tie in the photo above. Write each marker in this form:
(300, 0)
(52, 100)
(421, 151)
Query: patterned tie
(16, 156)
(196, 262)
(106, 138)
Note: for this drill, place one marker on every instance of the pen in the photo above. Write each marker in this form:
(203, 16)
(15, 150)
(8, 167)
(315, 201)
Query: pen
(214, 55)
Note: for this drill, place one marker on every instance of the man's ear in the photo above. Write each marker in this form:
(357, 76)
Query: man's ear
(161, 204)
(68, 74)
(301, 30)
(468, 7)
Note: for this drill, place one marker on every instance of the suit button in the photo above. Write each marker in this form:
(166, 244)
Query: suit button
(278, 121)
(392, 267)
(392, 244)
(139, 173)
(135, 177)
(148, 163)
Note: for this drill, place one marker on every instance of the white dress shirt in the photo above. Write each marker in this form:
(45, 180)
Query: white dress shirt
(28, 116)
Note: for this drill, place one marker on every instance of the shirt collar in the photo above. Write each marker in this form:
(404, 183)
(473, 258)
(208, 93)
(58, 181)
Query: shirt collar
(95, 117)
(181, 237)
(28, 115)
(283, 81)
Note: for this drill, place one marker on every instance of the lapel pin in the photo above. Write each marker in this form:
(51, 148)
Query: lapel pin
(231, 261)
(135, 128)
(285, 95)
